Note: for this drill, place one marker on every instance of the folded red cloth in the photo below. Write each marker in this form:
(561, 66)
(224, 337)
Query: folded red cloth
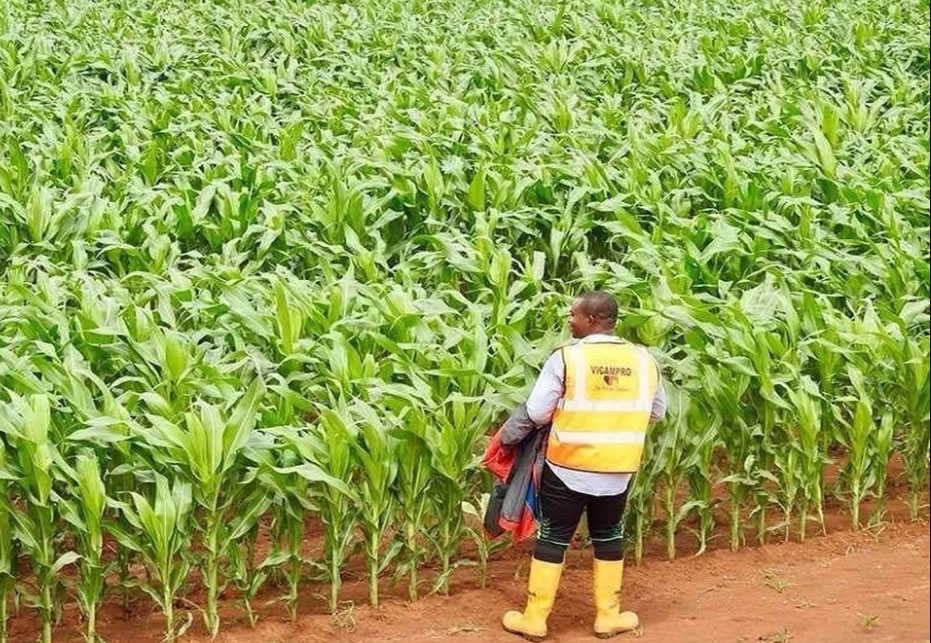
(500, 459)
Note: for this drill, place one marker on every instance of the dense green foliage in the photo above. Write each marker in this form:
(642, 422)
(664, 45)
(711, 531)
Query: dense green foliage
(265, 260)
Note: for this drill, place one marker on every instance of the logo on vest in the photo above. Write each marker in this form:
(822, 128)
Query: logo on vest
(611, 375)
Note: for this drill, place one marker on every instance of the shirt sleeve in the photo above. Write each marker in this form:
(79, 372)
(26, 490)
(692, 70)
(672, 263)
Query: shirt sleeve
(658, 412)
(547, 391)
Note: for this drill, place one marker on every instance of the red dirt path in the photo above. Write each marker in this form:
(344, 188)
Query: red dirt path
(868, 586)
(843, 587)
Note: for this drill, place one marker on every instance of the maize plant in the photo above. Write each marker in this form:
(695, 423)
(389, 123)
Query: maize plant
(485, 547)
(701, 473)
(767, 403)
(263, 310)
(375, 453)
(453, 460)
(27, 423)
(7, 548)
(677, 454)
(242, 570)
(414, 490)
(810, 458)
(789, 484)
(861, 428)
(161, 534)
(736, 436)
(208, 453)
(322, 457)
(335, 502)
(289, 504)
(641, 496)
(84, 510)
(881, 447)
(912, 389)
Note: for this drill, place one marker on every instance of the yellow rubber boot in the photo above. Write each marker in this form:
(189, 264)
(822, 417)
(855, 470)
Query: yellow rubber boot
(609, 619)
(541, 593)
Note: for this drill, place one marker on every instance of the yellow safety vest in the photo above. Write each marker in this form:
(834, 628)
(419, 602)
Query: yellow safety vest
(601, 422)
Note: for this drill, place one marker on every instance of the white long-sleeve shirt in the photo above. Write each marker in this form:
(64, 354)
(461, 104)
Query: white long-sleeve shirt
(542, 404)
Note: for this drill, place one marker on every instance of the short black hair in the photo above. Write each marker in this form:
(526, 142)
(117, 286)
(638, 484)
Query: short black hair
(599, 304)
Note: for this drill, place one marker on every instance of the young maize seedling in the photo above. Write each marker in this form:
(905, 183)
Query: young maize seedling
(860, 430)
(26, 422)
(376, 453)
(808, 414)
(208, 451)
(881, 447)
(324, 458)
(485, 546)
(7, 548)
(414, 490)
(84, 510)
(161, 533)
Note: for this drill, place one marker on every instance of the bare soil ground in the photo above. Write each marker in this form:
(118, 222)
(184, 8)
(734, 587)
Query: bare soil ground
(871, 585)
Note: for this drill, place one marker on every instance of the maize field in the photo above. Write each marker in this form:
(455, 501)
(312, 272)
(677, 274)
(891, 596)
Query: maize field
(272, 263)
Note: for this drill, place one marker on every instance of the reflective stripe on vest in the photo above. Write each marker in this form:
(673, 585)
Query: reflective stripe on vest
(600, 424)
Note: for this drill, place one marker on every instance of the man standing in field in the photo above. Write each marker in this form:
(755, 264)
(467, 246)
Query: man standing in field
(600, 393)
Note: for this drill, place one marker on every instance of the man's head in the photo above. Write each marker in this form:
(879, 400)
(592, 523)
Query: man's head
(594, 312)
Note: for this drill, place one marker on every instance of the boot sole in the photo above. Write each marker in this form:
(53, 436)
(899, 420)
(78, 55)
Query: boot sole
(536, 638)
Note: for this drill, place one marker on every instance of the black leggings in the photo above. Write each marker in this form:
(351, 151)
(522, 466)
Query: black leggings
(561, 509)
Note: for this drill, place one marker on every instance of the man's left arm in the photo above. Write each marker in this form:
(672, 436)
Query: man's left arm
(547, 391)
